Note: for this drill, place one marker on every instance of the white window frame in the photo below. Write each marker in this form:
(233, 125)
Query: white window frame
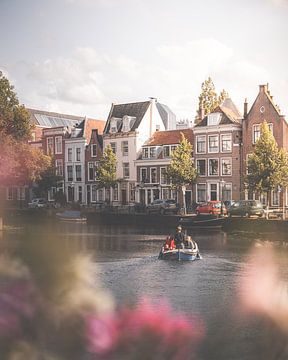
(50, 145)
(230, 140)
(141, 175)
(59, 167)
(78, 166)
(152, 152)
(205, 166)
(69, 154)
(221, 164)
(93, 193)
(216, 148)
(71, 178)
(93, 150)
(153, 182)
(205, 191)
(209, 167)
(198, 137)
(145, 153)
(21, 193)
(163, 176)
(58, 144)
(113, 146)
(126, 166)
(78, 154)
(125, 148)
(9, 193)
(258, 126)
(277, 193)
(90, 166)
(116, 193)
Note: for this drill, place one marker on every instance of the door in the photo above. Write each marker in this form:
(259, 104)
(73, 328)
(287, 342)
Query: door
(124, 196)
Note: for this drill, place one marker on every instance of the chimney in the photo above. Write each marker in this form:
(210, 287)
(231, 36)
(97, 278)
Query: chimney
(262, 88)
(245, 108)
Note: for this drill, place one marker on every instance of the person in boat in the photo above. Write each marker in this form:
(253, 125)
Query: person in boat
(169, 243)
(179, 238)
(189, 243)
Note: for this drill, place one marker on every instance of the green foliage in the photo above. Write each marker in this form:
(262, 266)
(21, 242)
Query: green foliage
(208, 99)
(48, 179)
(106, 171)
(181, 170)
(14, 118)
(267, 165)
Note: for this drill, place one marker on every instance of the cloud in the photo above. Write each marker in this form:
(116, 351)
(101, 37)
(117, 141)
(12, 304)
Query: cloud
(87, 82)
(279, 2)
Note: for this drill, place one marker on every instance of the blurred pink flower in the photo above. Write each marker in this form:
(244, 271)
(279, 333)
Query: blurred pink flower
(154, 327)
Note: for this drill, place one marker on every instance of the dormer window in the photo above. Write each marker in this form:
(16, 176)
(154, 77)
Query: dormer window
(126, 124)
(213, 119)
(113, 125)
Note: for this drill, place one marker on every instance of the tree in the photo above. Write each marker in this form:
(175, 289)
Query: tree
(48, 180)
(208, 99)
(181, 171)
(106, 171)
(14, 118)
(267, 166)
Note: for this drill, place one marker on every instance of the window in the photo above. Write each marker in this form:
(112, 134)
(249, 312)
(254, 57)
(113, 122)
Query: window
(113, 125)
(213, 192)
(59, 167)
(143, 174)
(256, 133)
(132, 192)
(145, 153)
(165, 193)
(226, 167)
(93, 193)
(91, 171)
(125, 148)
(115, 193)
(227, 192)
(58, 145)
(213, 143)
(78, 154)
(275, 198)
(166, 151)
(100, 195)
(126, 124)
(201, 192)
(163, 176)
(113, 146)
(50, 145)
(69, 154)
(93, 150)
(70, 172)
(213, 167)
(78, 172)
(201, 167)
(213, 119)
(80, 194)
(226, 142)
(21, 193)
(126, 172)
(201, 144)
(270, 126)
(153, 152)
(153, 175)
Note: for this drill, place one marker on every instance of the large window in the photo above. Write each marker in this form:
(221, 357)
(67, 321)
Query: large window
(132, 192)
(78, 154)
(113, 146)
(70, 172)
(50, 145)
(58, 145)
(93, 193)
(143, 174)
(152, 152)
(93, 150)
(91, 171)
(145, 153)
(201, 167)
(115, 193)
(213, 143)
(153, 175)
(227, 192)
(69, 154)
(256, 132)
(201, 144)
(21, 193)
(126, 172)
(226, 167)
(226, 142)
(125, 148)
(275, 198)
(78, 173)
(163, 176)
(213, 167)
(166, 151)
(59, 167)
(201, 192)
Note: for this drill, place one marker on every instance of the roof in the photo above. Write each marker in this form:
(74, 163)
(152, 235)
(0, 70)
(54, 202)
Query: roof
(51, 119)
(229, 114)
(137, 110)
(169, 137)
(167, 115)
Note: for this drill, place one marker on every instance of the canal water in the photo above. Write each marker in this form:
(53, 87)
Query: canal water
(208, 289)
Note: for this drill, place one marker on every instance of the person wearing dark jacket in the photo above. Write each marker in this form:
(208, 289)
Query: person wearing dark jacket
(179, 238)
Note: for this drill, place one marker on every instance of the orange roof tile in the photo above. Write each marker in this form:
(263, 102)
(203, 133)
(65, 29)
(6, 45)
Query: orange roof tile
(170, 137)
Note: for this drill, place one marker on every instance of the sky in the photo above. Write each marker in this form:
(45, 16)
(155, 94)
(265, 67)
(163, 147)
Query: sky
(79, 56)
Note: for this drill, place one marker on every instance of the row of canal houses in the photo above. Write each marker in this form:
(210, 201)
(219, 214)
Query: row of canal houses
(143, 136)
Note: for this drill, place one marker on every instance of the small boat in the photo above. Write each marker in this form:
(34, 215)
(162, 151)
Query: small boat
(202, 221)
(71, 215)
(180, 254)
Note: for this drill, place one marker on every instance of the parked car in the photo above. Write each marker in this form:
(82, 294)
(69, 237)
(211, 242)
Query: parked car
(162, 206)
(37, 203)
(228, 204)
(247, 208)
(212, 207)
